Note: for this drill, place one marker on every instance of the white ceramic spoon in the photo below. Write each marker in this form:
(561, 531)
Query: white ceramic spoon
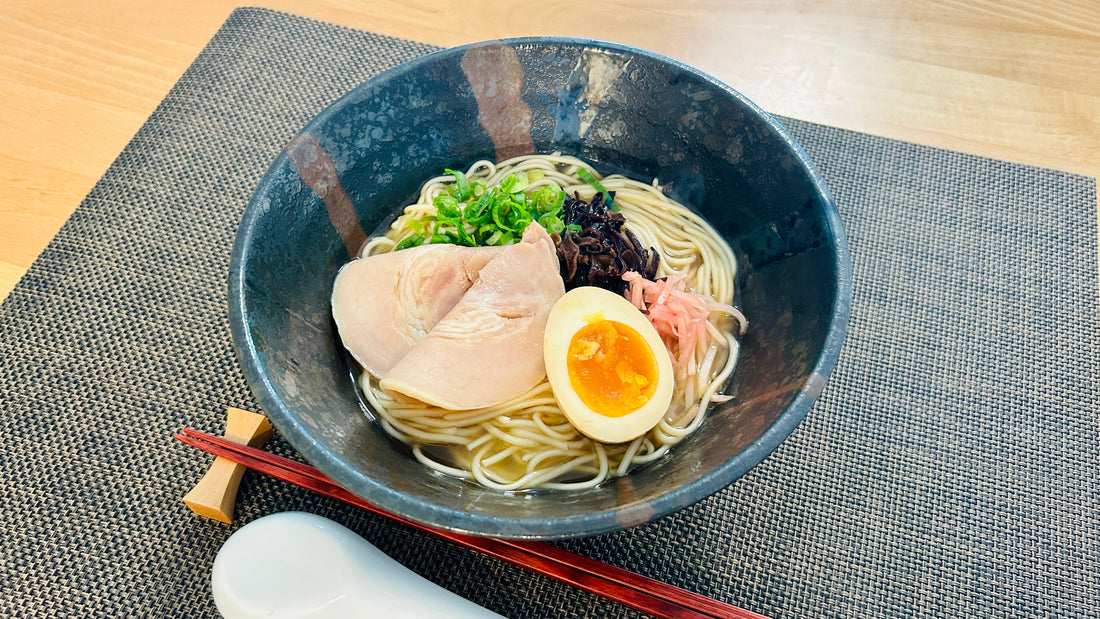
(296, 564)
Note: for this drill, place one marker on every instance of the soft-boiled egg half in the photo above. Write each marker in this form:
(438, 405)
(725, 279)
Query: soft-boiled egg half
(609, 369)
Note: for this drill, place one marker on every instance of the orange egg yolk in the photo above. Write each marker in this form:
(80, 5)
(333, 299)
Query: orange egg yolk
(611, 368)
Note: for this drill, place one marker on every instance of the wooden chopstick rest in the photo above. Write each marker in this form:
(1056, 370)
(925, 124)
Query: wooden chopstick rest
(216, 493)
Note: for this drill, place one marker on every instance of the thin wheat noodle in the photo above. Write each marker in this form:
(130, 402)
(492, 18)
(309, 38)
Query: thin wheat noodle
(528, 442)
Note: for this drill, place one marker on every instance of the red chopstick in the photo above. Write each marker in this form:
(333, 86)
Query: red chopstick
(627, 588)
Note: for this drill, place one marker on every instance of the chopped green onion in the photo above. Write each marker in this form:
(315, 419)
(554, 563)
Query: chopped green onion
(416, 227)
(461, 184)
(446, 206)
(514, 183)
(479, 212)
(520, 217)
(413, 240)
(588, 178)
(469, 213)
(549, 199)
(500, 212)
(552, 224)
(460, 236)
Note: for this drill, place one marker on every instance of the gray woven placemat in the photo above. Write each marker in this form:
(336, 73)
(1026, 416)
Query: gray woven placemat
(949, 470)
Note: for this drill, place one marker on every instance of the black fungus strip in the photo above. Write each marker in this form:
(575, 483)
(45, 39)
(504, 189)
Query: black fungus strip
(602, 250)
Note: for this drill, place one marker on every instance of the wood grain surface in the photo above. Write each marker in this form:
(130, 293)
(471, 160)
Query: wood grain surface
(1012, 79)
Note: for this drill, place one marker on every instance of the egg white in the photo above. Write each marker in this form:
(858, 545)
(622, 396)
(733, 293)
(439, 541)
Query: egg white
(576, 309)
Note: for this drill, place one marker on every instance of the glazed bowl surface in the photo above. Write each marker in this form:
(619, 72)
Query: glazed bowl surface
(622, 109)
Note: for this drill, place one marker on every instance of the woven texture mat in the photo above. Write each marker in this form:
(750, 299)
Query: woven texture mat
(949, 470)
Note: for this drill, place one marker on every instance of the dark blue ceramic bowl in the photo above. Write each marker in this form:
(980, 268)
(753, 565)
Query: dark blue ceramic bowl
(622, 109)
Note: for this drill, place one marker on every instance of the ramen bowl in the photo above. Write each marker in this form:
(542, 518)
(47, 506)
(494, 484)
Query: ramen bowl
(622, 109)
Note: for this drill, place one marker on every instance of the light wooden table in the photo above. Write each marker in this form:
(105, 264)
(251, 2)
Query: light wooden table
(1013, 79)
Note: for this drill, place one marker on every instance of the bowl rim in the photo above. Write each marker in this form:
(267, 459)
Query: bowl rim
(534, 527)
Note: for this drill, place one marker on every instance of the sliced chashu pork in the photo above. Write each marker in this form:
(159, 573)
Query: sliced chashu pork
(488, 348)
(383, 305)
